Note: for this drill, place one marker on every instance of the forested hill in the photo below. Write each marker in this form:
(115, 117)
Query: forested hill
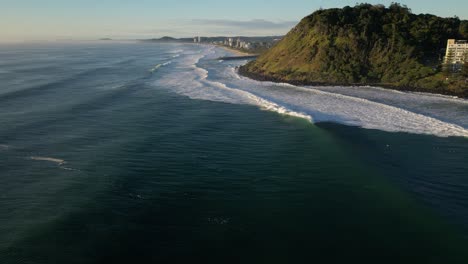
(366, 44)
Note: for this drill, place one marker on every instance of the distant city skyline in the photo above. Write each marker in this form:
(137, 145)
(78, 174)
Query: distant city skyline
(31, 20)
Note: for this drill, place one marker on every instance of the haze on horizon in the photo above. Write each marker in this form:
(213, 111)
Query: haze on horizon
(50, 20)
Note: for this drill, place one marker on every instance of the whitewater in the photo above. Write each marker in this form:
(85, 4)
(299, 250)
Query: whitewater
(163, 150)
(200, 75)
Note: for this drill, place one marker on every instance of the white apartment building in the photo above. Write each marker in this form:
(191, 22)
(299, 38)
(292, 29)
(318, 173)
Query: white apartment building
(456, 53)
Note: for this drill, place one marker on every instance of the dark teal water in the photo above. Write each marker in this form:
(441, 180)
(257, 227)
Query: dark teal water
(102, 160)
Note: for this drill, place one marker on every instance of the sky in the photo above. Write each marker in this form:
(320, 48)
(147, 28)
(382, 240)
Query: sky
(49, 20)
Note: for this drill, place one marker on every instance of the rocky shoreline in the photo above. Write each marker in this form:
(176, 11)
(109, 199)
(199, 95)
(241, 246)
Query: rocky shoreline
(266, 78)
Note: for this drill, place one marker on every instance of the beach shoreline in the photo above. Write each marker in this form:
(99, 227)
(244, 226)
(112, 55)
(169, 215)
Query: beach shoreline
(235, 51)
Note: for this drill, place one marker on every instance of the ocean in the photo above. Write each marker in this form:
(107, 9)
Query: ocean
(127, 152)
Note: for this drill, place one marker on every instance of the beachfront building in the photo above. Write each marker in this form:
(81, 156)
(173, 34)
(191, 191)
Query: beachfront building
(238, 43)
(235, 43)
(244, 45)
(456, 53)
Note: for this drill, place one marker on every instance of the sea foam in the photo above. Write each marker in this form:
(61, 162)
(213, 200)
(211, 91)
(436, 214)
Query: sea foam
(362, 107)
(4, 147)
(193, 82)
(54, 160)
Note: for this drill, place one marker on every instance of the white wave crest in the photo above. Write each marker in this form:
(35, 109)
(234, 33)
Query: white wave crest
(58, 161)
(259, 101)
(178, 51)
(4, 147)
(155, 68)
(69, 169)
(194, 83)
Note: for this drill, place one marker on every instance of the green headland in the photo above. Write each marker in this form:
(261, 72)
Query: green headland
(367, 45)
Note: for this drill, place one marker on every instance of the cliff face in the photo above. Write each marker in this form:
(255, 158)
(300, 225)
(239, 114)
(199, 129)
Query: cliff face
(364, 44)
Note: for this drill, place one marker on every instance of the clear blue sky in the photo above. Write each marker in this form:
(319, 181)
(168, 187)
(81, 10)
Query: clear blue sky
(24, 20)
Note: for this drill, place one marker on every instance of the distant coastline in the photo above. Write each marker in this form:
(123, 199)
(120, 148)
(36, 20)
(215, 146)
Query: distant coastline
(242, 45)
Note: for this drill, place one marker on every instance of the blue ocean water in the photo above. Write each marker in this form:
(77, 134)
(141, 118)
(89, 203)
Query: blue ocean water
(138, 152)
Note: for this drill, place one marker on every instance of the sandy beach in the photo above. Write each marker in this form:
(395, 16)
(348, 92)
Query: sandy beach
(237, 52)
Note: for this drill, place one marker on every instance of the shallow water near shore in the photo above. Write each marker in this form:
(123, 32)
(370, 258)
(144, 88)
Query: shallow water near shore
(137, 152)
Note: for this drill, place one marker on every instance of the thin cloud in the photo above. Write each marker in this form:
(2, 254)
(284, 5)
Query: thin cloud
(207, 27)
(255, 24)
(225, 27)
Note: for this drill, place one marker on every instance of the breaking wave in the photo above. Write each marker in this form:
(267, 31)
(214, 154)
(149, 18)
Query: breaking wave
(193, 82)
(200, 76)
(4, 147)
(155, 68)
(49, 159)
(351, 110)
(59, 162)
(259, 101)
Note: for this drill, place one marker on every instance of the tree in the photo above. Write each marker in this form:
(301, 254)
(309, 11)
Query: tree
(465, 66)
(464, 29)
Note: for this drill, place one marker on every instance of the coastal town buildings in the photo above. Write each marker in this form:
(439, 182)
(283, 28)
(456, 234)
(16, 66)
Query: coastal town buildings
(242, 43)
(245, 45)
(456, 53)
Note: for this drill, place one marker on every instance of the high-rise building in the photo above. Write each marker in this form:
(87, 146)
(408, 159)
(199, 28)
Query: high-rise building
(456, 53)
